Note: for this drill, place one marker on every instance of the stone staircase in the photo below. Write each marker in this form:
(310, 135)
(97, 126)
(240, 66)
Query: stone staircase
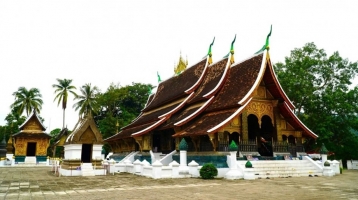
(87, 169)
(282, 168)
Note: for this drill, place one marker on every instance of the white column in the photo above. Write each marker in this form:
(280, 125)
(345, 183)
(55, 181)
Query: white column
(193, 169)
(157, 169)
(183, 168)
(175, 169)
(234, 172)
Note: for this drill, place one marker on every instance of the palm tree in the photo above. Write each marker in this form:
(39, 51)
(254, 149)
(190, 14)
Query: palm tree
(87, 101)
(61, 90)
(27, 100)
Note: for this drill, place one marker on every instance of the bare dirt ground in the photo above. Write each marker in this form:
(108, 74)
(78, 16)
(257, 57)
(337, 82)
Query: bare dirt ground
(40, 183)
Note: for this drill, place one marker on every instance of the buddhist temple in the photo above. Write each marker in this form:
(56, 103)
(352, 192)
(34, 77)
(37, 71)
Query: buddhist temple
(211, 104)
(31, 143)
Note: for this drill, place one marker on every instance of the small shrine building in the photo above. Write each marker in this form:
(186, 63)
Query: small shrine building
(31, 143)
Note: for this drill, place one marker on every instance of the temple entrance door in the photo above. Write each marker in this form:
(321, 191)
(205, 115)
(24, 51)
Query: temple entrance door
(86, 153)
(31, 149)
(156, 143)
(266, 136)
(253, 126)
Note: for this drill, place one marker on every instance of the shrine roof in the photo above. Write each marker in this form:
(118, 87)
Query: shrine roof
(212, 81)
(80, 129)
(36, 117)
(147, 117)
(177, 86)
(274, 86)
(129, 131)
(207, 121)
(32, 134)
(242, 77)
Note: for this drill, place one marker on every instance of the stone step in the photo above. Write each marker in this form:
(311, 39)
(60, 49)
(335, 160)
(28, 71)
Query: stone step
(282, 168)
(87, 169)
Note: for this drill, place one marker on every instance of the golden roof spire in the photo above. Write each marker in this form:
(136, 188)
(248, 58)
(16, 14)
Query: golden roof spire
(181, 66)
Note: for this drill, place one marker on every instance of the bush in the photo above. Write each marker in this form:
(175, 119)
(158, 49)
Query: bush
(341, 170)
(233, 146)
(208, 171)
(326, 164)
(248, 164)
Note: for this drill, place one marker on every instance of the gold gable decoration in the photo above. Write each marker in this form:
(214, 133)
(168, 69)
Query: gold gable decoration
(32, 125)
(86, 132)
(181, 66)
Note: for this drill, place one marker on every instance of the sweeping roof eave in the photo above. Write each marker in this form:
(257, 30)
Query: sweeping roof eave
(194, 112)
(29, 134)
(208, 123)
(34, 113)
(276, 88)
(294, 120)
(243, 78)
(149, 128)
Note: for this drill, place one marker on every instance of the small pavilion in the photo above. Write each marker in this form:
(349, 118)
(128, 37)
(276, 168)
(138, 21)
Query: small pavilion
(31, 142)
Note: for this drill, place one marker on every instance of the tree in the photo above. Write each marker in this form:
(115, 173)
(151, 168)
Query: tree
(321, 89)
(27, 100)
(61, 90)
(87, 101)
(120, 104)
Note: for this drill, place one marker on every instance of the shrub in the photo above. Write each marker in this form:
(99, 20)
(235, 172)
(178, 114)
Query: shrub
(326, 164)
(233, 146)
(341, 170)
(208, 171)
(248, 164)
(183, 146)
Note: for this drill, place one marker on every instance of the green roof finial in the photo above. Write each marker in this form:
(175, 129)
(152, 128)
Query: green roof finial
(266, 46)
(209, 52)
(232, 45)
(159, 79)
(231, 51)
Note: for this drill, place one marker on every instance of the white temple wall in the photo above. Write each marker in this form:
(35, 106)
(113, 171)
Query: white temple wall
(73, 151)
(97, 151)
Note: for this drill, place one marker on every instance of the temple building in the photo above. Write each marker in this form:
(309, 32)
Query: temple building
(82, 148)
(31, 143)
(211, 104)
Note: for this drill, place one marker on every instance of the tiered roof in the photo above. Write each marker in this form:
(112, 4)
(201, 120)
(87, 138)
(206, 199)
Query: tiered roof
(32, 127)
(204, 98)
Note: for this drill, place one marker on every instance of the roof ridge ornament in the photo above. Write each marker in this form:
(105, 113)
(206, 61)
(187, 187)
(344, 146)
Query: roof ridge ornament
(159, 79)
(231, 51)
(210, 53)
(266, 46)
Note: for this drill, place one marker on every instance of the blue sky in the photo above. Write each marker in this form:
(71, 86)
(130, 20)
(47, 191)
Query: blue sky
(120, 42)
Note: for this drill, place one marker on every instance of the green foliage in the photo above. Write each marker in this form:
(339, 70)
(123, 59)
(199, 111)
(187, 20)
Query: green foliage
(233, 146)
(323, 149)
(183, 145)
(120, 104)
(341, 170)
(320, 87)
(248, 164)
(87, 100)
(27, 100)
(208, 171)
(327, 164)
(62, 89)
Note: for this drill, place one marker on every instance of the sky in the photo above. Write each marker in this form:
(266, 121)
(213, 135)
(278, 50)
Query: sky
(121, 42)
